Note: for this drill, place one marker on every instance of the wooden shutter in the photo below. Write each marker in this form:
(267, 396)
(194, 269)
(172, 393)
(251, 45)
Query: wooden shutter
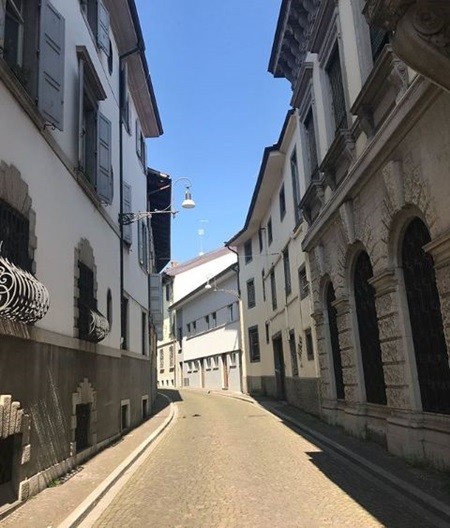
(104, 172)
(156, 303)
(51, 65)
(141, 242)
(103, 28)
(127, 231)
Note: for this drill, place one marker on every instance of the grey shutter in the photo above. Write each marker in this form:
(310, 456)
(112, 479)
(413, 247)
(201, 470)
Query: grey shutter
(127, 231)
(104, 172)
(138, 139)
(156, 303)
(103, 28)
(80, 112)
(51, 65)
(141, 234)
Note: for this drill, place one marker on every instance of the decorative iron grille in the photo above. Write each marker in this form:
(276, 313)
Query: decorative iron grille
(6, 459)
(378, 39)
(334, 339)
(14, 234)
(337, 90)
(369, 337)
(426, 320)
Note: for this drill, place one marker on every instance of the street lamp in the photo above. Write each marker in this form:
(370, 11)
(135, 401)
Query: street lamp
(187, 203)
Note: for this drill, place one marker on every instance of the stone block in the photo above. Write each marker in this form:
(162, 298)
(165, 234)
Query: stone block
(26, 454)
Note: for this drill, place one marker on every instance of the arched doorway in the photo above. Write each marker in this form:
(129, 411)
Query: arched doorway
(334, 340)
(369, 336)
(426, 319)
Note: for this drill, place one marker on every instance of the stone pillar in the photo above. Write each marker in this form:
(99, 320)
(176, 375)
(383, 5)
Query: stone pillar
(392, 340)
(347, 347)
(322, 353)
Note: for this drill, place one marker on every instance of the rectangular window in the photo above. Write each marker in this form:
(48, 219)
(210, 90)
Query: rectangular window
(303, 283)
(273, 289)
(194, 327)
(287, 272)
(309, 345)
(269, 232)
(293, 351)
(248, 251)
(230, 313)
(161, 360)
(144, 334)
(214, 319)
(232, 362)
(251, 299)
(260, 239)
(143, 245)
(125, 323)
(263, 282)
(378, 39)
(140, 145)
(207, 321)
(334, 72)
(97, 17)
(282, 202)
(168, 291)
(208, 363)
(14, 234)
(216, 362)
(125, 107)
(171, 358)
(253, 340)
(295, 188)
(188, 329)
(86, 300)
(267, 332)
(312, 146)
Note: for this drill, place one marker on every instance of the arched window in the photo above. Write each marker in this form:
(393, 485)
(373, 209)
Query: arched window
(334, 340)
(369, 337)
(426, 319)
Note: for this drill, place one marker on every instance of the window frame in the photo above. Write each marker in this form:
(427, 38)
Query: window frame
(253, 341)
(248, 255)
(251, 293)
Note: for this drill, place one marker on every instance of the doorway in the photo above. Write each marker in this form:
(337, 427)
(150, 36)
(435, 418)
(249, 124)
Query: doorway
(280, 373)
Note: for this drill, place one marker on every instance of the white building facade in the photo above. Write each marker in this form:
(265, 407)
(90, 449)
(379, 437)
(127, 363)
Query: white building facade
(374, 157)
(74, 119)
(280, 355)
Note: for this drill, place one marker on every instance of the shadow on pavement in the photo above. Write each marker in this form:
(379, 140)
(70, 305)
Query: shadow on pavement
(173, 394)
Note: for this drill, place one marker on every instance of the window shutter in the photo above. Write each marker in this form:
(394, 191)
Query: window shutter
(51, 65)
(80, 112)
(141, 248)
(103, 28)
(138, 139)
(127, 232)
(156, 303)
(104, 173)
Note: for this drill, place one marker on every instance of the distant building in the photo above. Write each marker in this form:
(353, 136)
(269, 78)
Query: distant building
(178, 281)
(77, 346)
(374, 138)
(280, 353)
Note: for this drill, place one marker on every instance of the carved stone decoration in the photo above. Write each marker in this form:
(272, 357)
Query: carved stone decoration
(430, 22)
(346, 213)
(393, 180)
(399, 78)
(319, 255)
(385, 13)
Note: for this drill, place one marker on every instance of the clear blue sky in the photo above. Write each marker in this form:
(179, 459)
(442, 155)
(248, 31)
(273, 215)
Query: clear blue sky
(219, 108)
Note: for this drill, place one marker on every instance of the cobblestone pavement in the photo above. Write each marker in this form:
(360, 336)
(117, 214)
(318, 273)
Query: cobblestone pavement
(229, 464)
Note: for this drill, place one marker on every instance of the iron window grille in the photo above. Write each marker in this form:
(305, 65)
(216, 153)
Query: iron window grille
(309, 345)
(303, 282)
(14, 236)
(253, 339)
(251, 297)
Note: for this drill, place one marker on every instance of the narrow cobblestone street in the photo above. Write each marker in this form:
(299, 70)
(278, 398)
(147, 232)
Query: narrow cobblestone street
(228, 463)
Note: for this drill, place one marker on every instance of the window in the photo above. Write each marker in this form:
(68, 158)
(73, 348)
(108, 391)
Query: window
(269, 231)
(251, 300)
(168, 291)
(110, 58)
(232, 362)
(14, 234)
(140, 145)
(194, 327)
(248, 251)
(303, 283)
(230, 313)
(86, 300)
(216, 362)
(171, 358)
(125, 108)
(94, 148)
(287, 272)
(125, 414)
(333, 70)
(127, 208)
(188, 328)
(253, 344)
(267, 332)
(309, 345)
(378, 39)
(273, 289)
(28, 27)
(208, 363)
(282, 202)
(295, 188)
(293, 351)
(311, 144)
(263, 282)
(214, 319)
(207, 321)
(179, 335)
(161, 360)
(97, 17)
(109, 308)
(124, 323)
(260, 239)
(144, 333)
(143, 245)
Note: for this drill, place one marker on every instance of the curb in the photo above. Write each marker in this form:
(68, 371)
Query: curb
(82, 511)
(426, 501)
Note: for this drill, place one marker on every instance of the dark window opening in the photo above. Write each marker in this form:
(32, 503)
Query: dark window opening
(6, 459)
(282, 201)
(287, 272)
(253, 339)
(251, 298)
(83, 416)
(312, 146)
(248, 251)
(337, 90)
(303, 283)
(295, 188)
(86, 300)
(273, 289)
(334, 340)
(309, 345)
(14, 236)
(293, 351)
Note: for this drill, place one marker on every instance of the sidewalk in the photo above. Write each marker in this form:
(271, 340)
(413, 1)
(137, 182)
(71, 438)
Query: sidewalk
(67, 501)
(430, 489)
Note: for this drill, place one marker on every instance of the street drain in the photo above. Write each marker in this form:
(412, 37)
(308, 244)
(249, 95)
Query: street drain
(195, 415)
